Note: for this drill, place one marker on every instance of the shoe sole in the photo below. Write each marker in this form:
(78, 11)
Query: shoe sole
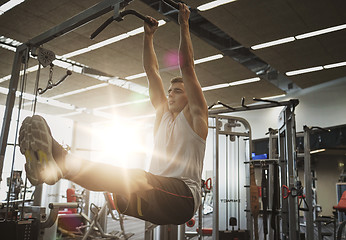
(35, 142)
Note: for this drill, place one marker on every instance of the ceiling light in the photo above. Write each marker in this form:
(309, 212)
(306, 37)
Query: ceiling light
(108, 41)
(273, 43)
(141, 29)
(129, 85)
(7, 47)
(224, 85)
(250, 80)
(334, 65)
(322, 31)
(80, 90)
(198, 61)
(142, 116)
(28, 70)
(213, 87)
(55, 103)
(123, 104)
(306, 70)
(213, 4)
(271, 97)
(317, 151)
(218, 106)
(31, 97)
(4, 90)
(207, 59)
(101, 114)
(9, 5)
(135, 31)
(139, 75)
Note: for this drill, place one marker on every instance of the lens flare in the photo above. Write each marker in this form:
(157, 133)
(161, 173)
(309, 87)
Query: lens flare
(171, 59)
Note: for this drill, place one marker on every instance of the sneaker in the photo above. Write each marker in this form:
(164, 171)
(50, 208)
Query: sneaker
(35, 141)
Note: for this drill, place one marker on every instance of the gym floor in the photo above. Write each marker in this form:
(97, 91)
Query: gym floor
(133, 225)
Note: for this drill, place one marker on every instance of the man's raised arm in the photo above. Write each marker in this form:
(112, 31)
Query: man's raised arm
(151, 66)
(196, 102)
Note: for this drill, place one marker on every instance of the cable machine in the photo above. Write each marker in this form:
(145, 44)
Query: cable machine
(279, 167)
(231, 201)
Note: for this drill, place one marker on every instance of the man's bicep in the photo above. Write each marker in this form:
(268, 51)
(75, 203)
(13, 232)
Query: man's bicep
(194, 91)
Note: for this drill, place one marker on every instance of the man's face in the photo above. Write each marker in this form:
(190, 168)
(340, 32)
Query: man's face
(177, 98)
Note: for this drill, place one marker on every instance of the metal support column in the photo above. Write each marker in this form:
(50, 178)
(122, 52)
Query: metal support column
(309, 233)
(283, 177)
(216, 183)
(272, 155)
(287, 157)
(11, 97)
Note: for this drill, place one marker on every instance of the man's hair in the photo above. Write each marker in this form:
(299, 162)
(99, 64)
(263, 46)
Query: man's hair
(176, 80)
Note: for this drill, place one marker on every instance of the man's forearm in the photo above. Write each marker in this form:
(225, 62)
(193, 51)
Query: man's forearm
(150, 62)
(151, 67)
(185, 49)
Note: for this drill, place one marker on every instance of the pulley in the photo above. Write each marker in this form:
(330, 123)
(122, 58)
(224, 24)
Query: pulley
(45, 56)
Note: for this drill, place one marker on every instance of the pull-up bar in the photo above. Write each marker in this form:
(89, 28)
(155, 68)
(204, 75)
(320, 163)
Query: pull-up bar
(269, 104)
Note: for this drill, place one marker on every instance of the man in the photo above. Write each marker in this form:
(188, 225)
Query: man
(170, 192)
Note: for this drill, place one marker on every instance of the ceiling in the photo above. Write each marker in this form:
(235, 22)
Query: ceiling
(245, 22)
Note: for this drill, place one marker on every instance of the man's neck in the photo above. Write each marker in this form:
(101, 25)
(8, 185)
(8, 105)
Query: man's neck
(175, 114)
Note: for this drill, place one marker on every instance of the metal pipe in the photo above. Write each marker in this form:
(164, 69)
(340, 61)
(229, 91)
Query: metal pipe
(10, 100)
(216, 184)
(290, 103)
(309, 233)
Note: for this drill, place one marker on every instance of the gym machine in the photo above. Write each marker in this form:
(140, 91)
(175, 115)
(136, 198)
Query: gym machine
(231, 201)
(19, 225)
(284, 223)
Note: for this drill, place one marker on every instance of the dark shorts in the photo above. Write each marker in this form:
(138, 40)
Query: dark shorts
(170, 202)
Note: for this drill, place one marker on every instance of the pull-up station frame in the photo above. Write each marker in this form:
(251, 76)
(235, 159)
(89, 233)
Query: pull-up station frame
(24, 49)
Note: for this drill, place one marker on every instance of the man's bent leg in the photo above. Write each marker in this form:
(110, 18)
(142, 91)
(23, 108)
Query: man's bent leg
(169, 202)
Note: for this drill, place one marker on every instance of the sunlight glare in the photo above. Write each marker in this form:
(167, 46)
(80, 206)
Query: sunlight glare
(120, 143)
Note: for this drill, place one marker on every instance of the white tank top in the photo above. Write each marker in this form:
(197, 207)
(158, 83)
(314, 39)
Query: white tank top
(179, 153)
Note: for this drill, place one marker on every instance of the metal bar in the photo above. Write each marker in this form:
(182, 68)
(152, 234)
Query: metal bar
(309, 233)
(249, 226)
(264, 161)
(234, 133)
(271, 176)
(283, 166)
(292, 172)
(289, 103)
(289, 144)
(216, 184)
(75, 22)
(11, 97)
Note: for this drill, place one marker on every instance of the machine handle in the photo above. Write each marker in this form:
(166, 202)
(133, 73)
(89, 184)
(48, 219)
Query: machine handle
(54, 210)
